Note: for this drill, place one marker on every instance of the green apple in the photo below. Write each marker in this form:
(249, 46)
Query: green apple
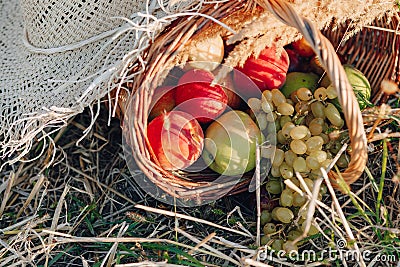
(230, 143)
(296, 80)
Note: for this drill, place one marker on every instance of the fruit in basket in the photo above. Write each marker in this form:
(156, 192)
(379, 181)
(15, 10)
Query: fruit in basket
(206, 54)
(303, 48)
(296, 80)
(267, 71)
(197, 96)
(164, 98)
(234, 100)
(176, 138)
(230, 143)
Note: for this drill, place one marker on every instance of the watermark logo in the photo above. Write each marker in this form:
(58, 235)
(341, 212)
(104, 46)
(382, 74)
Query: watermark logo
(341, 244)
(341, 252)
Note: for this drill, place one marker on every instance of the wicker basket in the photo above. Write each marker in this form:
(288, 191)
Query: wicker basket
(167, 45)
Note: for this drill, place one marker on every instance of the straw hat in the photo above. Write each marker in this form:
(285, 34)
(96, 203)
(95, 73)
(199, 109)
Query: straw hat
(58, 57)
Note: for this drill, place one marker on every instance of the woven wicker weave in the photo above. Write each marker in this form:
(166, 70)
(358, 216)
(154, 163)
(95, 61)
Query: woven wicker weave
(167, 46)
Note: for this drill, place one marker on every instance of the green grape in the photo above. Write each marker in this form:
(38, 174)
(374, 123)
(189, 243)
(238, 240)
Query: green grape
(299, 165)
(320, 155)
(309, 183)
(320, 94)
(287, 128)
(315, 128)
(277, 97)
(317, 109)
(293, 234)
(277, 244)
(280, 138)
(284, 215)
(304, 94)
(298, 200)
(293, 96)
(278, 157)
(284, 119)
(312, 163)
(325, 163)
(266, 217)
(333, 115)
(324, 137)
(277, 126)
(302, 107)
(286, 199)
(325, 127)
(275, 172)
(285, 109)
(313, 230)
(267, 106)
(323, 189)
(299, 132)
(267, 95)
(265, 240)
(295, 181)
(315, 173)
(319, 121)
(273, 214)
(289, 246)
(269, 228)
(274, 187)
(331, 92)
(290, 156)
(309, 117)
(298, 146)
(302, 215)
(343, 161)
(334, 146)
(286, 170)
(254, 104)
(307, 136)
(314, 143)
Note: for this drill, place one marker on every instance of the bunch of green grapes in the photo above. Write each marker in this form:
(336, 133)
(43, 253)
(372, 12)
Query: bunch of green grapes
(307, 129)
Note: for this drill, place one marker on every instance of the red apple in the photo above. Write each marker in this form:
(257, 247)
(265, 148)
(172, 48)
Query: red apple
(196, 96)
(267, 71)
(234, 101)
(176, 139)
(303, 48)
(164, 98)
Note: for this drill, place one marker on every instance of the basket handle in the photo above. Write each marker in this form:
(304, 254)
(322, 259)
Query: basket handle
(334, 69)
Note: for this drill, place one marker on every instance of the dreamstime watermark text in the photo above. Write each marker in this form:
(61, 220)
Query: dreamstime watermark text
(331, 254)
